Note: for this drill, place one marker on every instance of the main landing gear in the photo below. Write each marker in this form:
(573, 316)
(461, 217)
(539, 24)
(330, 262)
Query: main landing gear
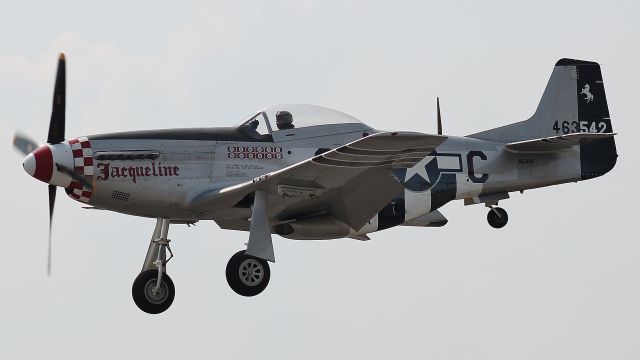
(497, 217)
(153, 289)
(247, 271)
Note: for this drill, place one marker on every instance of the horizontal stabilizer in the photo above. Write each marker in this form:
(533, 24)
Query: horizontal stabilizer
(555, 142)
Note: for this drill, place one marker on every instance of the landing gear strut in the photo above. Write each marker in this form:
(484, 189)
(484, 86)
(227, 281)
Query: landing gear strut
(153, 289)
(248, 271)
(497, 217)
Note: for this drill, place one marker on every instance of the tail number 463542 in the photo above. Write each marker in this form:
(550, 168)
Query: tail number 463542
(568, 127)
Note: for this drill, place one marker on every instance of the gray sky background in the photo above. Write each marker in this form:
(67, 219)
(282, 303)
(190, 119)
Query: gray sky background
(559, 282)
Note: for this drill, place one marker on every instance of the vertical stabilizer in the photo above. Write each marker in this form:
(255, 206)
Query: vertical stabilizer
(574, 101)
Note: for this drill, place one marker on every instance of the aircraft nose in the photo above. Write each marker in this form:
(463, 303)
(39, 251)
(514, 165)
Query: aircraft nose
(29, 164)
(39, 164)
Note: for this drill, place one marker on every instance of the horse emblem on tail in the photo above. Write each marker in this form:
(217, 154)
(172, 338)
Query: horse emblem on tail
(587, 93)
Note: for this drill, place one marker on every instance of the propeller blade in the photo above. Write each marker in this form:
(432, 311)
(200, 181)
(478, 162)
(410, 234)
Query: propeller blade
(439, 117)
(56, 126)
(52, 202)
(77, 177)
(24, 144)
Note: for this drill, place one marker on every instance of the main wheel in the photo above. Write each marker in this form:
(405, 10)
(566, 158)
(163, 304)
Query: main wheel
(148, 297)
(247, 275)
(497, 217)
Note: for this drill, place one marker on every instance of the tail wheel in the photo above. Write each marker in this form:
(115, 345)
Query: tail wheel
(497, 217)
(150, 297)
(247, 275)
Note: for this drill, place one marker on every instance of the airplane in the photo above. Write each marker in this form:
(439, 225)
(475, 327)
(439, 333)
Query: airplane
(306, 172)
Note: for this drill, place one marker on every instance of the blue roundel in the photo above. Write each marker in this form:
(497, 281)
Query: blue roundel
(421, 180)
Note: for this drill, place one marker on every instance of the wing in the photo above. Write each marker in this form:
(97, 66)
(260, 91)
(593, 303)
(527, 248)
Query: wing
(351, 183)
(555, 142)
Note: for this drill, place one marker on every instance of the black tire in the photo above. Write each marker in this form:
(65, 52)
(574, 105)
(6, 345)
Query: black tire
(247, 275)
(497, 217)
(146, 300)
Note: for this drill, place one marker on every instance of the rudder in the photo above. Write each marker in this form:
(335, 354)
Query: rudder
(596, 157)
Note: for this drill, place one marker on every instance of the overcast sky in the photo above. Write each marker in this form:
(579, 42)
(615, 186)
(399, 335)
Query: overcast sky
(559, 282)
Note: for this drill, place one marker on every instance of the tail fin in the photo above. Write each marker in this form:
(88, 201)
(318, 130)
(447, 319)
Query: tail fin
(574, 101)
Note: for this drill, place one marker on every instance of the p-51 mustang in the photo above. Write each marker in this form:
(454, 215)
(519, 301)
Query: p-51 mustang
(309, 173)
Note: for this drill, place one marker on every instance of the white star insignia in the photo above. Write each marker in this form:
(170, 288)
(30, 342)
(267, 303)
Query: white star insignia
(419, 169)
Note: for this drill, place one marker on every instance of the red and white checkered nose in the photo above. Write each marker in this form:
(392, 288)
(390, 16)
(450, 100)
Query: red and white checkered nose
(41, 163)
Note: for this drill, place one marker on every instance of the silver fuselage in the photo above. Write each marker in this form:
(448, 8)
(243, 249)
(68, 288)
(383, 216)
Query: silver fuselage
(189, 162)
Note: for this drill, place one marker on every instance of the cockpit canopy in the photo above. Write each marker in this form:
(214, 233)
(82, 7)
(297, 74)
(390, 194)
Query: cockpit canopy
(296, 121)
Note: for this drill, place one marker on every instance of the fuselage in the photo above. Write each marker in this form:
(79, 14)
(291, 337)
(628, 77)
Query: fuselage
(157, 173)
